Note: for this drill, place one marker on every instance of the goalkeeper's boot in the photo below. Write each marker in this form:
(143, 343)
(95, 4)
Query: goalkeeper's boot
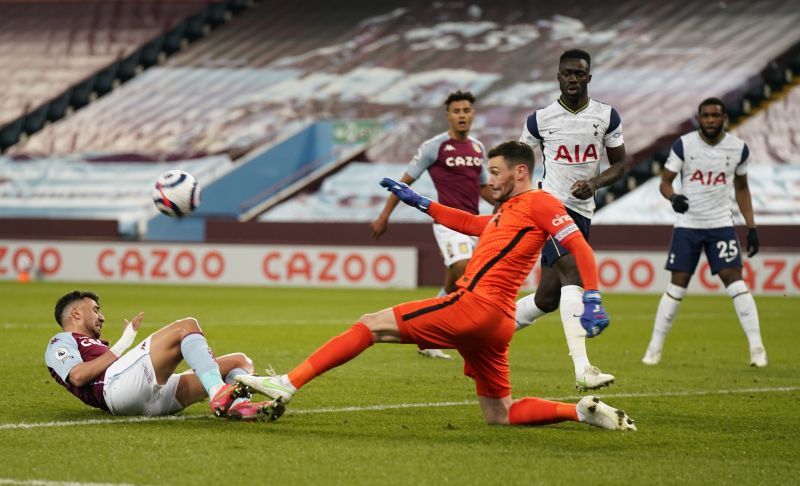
(651, 356)
(592, 379)
(594, 412)
(434, 354)
(224, 398)
(758, 357)
(251, 411)
(270, 386)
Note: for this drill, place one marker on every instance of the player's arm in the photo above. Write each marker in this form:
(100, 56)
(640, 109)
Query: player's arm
(455, 219)
(486, 194)
(615, 172)
(673, 165)
(83, 373)
(745, 202)
(381, 223)
(615, 151)
(458, 220)
(680, 203)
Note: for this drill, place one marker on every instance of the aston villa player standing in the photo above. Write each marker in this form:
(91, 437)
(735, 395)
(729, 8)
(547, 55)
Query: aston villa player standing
(456, 163)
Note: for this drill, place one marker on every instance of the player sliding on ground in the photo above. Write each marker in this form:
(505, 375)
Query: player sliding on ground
(478, 319)
(142, 381)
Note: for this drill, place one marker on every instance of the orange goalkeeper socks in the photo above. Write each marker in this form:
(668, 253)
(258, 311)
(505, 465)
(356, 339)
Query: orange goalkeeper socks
(538, 411)
(335, 352)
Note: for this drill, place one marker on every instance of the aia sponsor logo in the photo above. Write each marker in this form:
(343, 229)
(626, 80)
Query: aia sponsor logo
(561, 219)
(577, 155)
(708, 178)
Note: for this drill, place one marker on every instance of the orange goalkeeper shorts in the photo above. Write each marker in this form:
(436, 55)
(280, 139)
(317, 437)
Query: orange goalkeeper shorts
(478, 329)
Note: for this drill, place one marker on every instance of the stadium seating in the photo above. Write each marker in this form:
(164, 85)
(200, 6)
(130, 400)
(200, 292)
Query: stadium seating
(772, 134)
(283, 62)
(55, 54)
(72, 187)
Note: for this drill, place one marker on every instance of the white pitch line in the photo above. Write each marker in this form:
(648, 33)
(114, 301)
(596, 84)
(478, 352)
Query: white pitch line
(104, 421)
(44, 482)
(395, 406)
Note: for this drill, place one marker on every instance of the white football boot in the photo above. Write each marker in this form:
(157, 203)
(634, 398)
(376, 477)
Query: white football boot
(758, 357)
(434, 354)
(270, 386)
(594, 412)
(592, 379)
(651, 356)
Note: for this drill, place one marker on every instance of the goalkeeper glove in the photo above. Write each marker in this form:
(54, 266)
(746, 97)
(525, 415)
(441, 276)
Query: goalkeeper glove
(406, 194)
(594, 318)
(752, 242)
(680, 203)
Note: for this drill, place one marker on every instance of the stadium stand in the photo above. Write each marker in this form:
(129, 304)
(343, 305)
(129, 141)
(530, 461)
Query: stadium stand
(60, 54)
(75, 188)
(773, 172)
(279, 63)
(280, 66)
(772, 133)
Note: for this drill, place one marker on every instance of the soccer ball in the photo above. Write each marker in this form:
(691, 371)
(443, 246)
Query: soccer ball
(176, 193)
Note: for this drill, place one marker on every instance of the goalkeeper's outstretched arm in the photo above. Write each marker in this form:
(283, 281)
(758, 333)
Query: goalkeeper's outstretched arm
(455, 219)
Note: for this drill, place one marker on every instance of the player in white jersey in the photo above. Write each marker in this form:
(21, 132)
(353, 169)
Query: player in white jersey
(709, 161)
(456, 163)
(571, 134)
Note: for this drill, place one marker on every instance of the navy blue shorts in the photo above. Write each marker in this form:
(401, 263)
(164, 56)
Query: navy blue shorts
(720, 245)
(552, 250)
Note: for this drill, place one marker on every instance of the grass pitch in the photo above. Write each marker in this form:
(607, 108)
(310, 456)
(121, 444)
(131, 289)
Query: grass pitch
(391, 417)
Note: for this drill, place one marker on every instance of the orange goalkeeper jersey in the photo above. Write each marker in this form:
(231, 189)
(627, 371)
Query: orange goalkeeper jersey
(510, 242)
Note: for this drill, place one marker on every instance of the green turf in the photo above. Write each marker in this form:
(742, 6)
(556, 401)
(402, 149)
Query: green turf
(696, 425)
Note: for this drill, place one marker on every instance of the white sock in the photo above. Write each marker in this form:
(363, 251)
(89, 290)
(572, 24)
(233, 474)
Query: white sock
(286, 382)
(527, 312)
(441, 293)
(665, 316)
(746, 309)
(230, 378)
(571, 306)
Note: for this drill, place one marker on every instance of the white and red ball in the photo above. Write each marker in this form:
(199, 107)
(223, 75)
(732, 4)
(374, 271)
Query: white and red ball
(176, 193)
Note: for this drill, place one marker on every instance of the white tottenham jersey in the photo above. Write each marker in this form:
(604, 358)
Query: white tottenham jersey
(706, 174)
(572, 144)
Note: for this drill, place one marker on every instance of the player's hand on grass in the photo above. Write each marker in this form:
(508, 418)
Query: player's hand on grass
(680, 203)
(752, 242)
(594, 318)
(406, 194)
(583, 189)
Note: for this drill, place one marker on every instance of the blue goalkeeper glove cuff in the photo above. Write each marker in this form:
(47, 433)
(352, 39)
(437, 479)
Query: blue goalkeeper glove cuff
(594, 318)
(406, 194)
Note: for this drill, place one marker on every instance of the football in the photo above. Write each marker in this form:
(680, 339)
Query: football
(176, 193)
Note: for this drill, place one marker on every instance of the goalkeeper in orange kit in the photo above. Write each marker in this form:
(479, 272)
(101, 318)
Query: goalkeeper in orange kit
(477, 320)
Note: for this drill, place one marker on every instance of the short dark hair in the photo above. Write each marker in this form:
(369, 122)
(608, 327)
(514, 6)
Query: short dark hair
(69, 298)
(576, 54)
(713, 101)
(515, 153)
(459, 96)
